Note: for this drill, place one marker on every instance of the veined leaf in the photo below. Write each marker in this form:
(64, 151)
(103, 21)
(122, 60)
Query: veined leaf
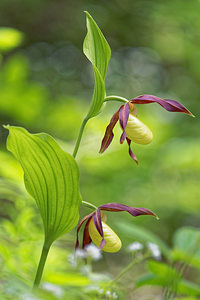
(97, 50)
(98, 95)
(51, 177)
(95, 46)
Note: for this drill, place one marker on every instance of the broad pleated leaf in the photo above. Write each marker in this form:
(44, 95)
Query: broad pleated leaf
(51, 177)
(97, 50)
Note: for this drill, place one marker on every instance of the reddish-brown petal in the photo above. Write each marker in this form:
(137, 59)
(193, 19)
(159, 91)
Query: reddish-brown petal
(169, 105)
(86, 237)
(123, 119)
(107, 139)
(132, 155)
(134, 211)
(88, 217)
(98, 224)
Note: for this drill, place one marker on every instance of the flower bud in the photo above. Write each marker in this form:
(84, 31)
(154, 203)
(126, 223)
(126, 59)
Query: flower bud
(113, 242)
(137, 131)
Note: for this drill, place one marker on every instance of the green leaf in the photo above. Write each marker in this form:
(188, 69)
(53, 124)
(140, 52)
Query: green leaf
(186, 298)
(9, 38)
(97, 50)
(187, 239)
(98, 95)
(162, 269)
(186, 246)
(51, 177)
(179, 286)
(150, 279)
(188, 288)
(95, 47)
(143, 235)
(70, 279)
(166, 276)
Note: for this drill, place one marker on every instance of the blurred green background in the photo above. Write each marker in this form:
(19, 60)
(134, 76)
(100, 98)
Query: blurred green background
(46, 84)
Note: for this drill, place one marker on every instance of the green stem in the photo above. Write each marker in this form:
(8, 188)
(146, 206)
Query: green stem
(79, 137)
(88, 204)
(45, 251)
(115, 98)
(75, 152)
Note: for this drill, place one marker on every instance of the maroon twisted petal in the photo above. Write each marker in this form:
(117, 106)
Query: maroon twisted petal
(134, 211)
(98, 225)
(108, 136)
(132, 155)
(123, 119)
(169, 105)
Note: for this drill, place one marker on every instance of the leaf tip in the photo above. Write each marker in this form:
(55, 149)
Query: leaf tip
(6, 126)
(87, 14)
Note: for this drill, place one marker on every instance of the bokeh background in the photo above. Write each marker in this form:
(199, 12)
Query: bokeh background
(46, 84)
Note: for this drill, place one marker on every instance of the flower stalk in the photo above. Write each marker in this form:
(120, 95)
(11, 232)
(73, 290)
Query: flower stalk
(88, 204)
(115, 98)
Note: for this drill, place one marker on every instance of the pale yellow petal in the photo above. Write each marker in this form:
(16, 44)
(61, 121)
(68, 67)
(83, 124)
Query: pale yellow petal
(113, 242)
(137, 131)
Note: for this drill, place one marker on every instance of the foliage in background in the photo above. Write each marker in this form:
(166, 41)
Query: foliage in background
(46, 74)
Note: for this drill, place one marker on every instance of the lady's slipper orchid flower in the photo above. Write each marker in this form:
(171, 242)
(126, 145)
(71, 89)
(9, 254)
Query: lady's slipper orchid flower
(98, 232)
(133, 129)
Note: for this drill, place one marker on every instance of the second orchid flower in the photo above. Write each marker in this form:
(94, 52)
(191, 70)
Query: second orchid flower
(97, 231)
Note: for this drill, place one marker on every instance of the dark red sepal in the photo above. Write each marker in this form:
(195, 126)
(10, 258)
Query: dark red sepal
(86, 236)
(98, 224)
(88, 217)
(107, 139)
(123, 119)
(132, 155)
(134, 211)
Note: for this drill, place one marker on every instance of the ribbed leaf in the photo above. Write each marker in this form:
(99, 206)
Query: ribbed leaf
(143, 235)
(51, 177)
(98, 95)
(95, 47)
(97, 50)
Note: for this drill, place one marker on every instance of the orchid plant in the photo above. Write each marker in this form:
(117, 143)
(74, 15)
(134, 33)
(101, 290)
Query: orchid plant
(51, 176)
